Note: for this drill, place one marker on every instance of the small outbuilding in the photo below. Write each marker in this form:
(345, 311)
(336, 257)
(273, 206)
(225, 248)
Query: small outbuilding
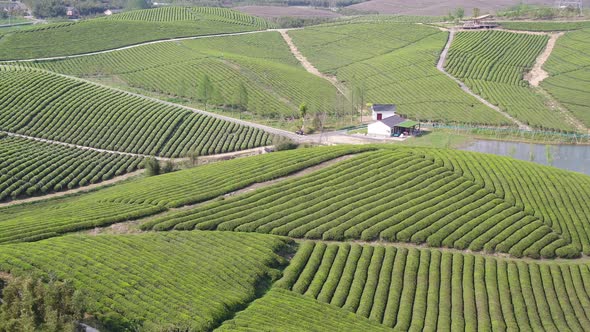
(481, 22)
(382, 111)
(394, 126)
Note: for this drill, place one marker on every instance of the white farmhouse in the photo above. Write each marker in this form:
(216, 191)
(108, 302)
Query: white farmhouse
(393, 126)
(382, 111)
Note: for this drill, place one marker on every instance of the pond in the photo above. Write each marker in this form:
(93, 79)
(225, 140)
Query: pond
(569, 157)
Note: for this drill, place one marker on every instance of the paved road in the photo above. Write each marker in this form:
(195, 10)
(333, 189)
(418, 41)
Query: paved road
(441, 67)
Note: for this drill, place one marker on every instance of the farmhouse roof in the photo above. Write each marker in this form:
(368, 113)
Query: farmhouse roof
(483, 17)
(393, 121)
(384, 107)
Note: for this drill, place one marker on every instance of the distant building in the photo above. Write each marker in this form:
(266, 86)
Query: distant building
(72, 12)
(480, 22)
(382, 111)
(108, 12)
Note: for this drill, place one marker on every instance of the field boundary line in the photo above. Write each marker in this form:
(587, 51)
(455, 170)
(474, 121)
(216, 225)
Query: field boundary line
(221, 156)
(309, 67)
(90, 187)
(441, 67)
(123, 227)
(79, 55)
(408, 245)
(538, 74)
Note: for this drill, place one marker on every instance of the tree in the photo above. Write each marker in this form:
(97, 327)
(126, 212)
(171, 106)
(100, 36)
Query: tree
(242, 97)
(205, 90)
(360, 94)
(303, 114)
(460, 13)
(193, 157)
(152, 167)
(33, 304)
(137, 4)
(49, 8)
(476, 12)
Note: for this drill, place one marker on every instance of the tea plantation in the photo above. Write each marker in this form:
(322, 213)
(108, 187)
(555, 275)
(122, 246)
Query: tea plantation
(164, 217)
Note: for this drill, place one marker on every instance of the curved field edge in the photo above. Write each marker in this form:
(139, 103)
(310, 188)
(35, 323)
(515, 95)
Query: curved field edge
(181, 281)
(431, 290)
(439, 198)
(281, 310)
(74, 111)
(149, 196)
(123, 29)
(30, 169)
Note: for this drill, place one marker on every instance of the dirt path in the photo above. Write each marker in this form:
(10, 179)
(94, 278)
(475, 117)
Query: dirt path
(138, 45)
(132, 227)
(441, 67)
(73, 191)
(222, 156)
(555, 105)
(268, 129)
(308, 66)
(538, 74)
(408, 245)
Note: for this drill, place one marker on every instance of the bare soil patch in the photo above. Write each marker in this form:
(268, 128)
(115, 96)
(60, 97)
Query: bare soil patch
(292, 11)
(538, 74)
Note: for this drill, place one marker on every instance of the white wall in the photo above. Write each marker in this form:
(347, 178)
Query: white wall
(378, 128)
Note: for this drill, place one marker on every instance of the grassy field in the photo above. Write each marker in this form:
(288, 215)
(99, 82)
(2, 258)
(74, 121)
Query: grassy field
(421, 289)
(275, 82)
(393, 63)
(152, 195)
(30, 168)
(493, 64)
(72, 111)
(122, 29)
(192, 281)
(570, 74)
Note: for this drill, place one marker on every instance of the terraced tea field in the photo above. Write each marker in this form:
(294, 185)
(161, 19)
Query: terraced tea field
(77, 112)
(367, 237)
(30, 168)
(482, 212)
(569, 69)
(124, 29)
(422, 289)
(394, 63)
(152, 195)
(408, 195)
(275, 83)
(493, 64)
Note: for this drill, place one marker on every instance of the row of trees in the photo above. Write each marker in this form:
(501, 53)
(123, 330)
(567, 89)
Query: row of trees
(208, 94)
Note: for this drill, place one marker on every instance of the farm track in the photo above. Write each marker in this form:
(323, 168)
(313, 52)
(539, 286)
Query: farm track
(209, 158)
(440, 66)
(124, 227)
(538, 74)
(73, 191)
(580, 260)
(308, 65)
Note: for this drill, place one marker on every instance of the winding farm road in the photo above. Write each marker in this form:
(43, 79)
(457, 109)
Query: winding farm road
(441, 67)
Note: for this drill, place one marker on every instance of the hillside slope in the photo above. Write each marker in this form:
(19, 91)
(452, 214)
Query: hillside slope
(393, 63)
(189, 280)
(78, 112)
(275, 83)
(123, 29)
